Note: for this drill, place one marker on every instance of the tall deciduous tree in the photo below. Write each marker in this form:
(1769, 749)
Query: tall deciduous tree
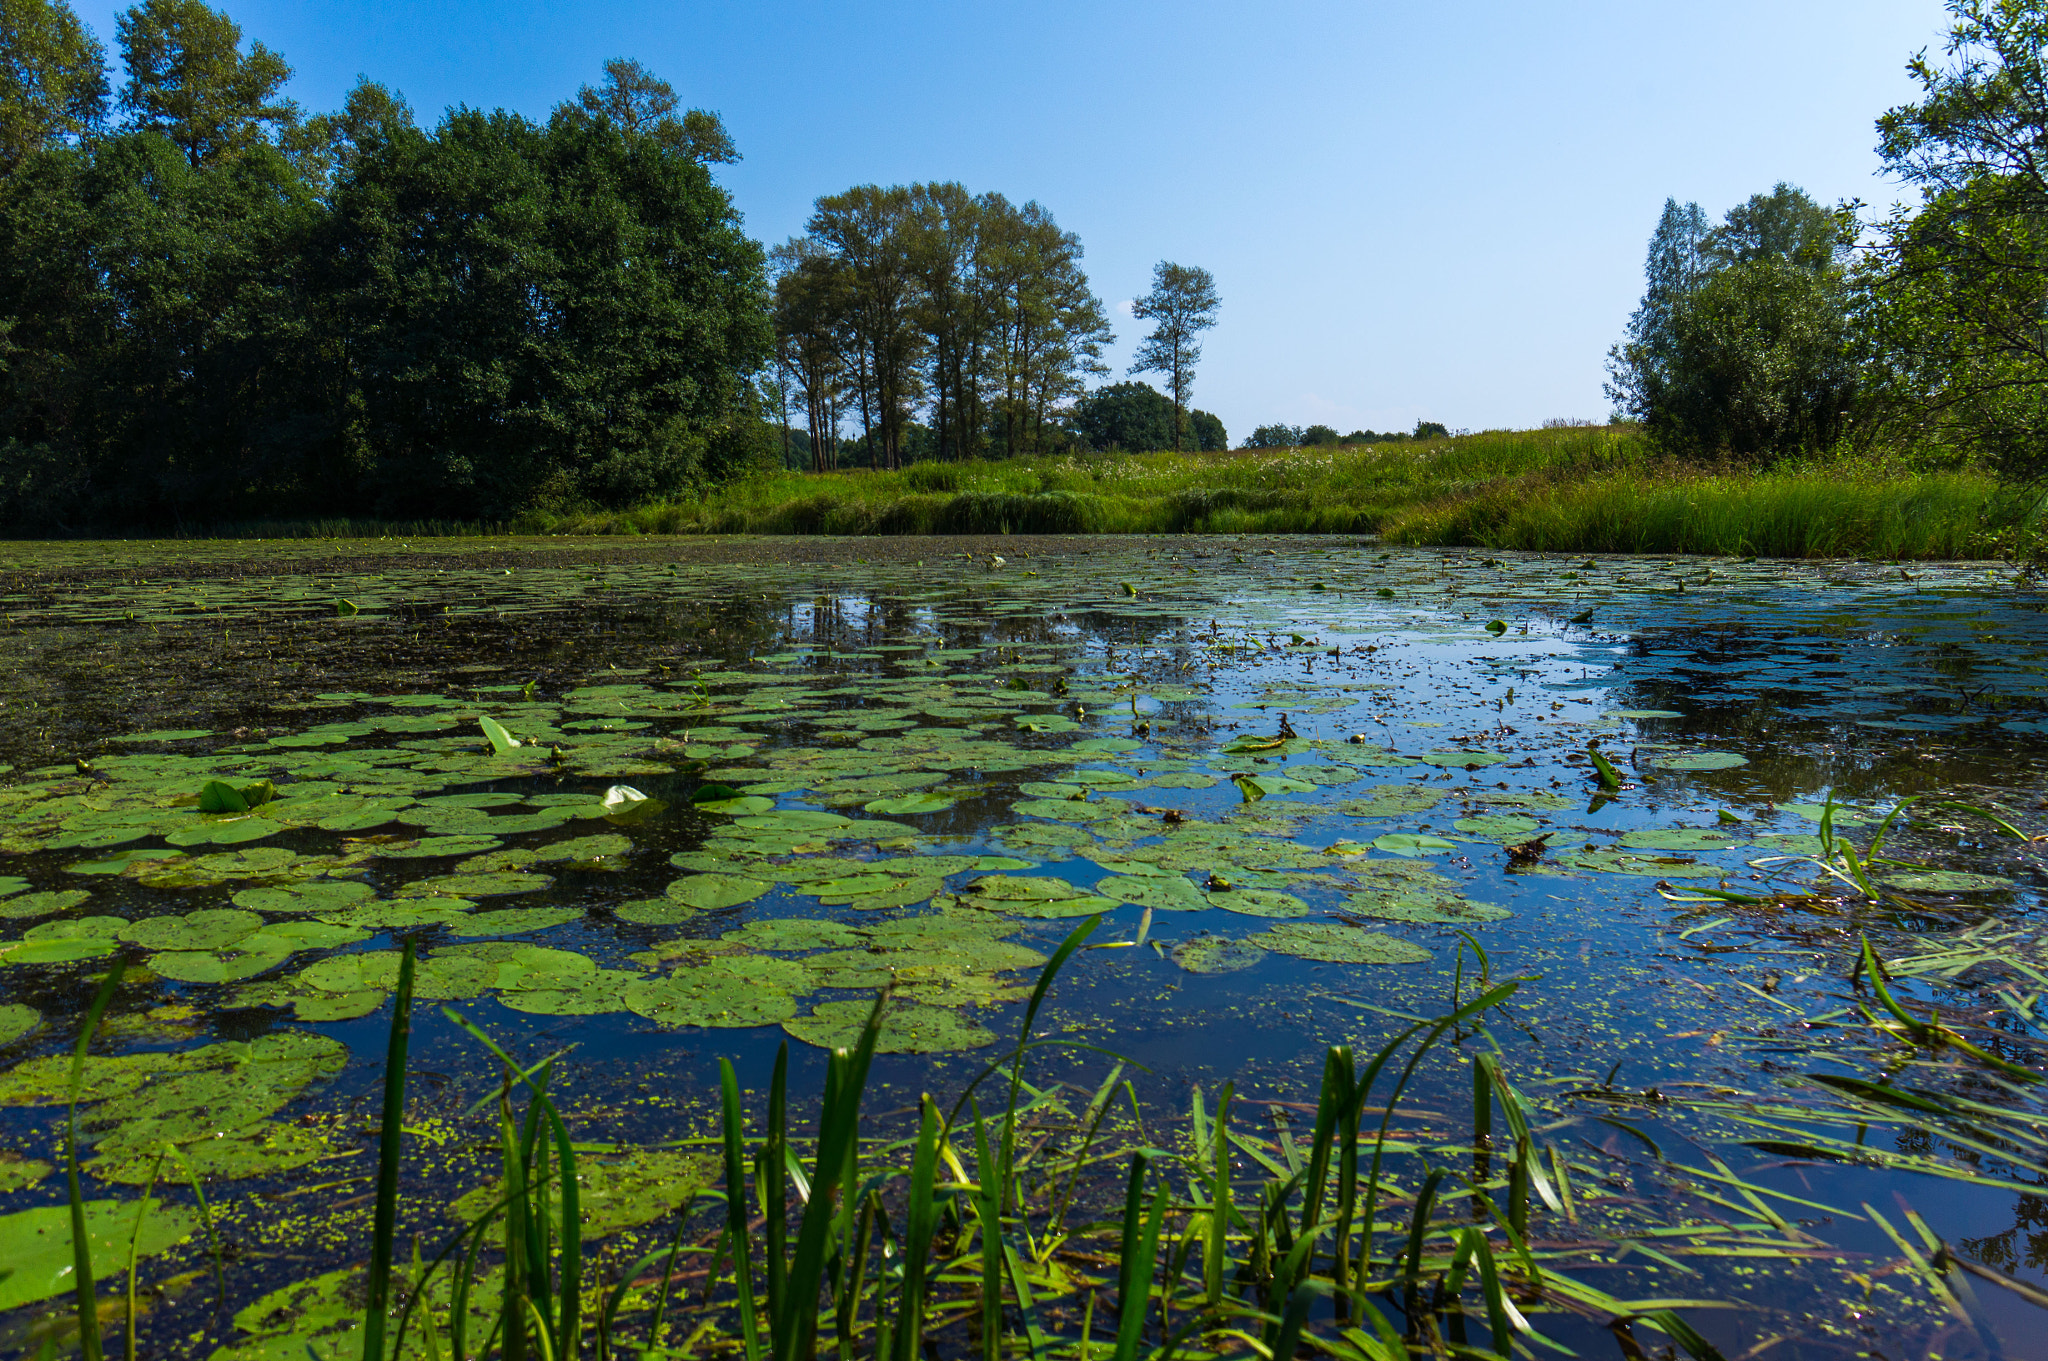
(1957, 299)
(643, 103)
(1181, 305)
(53, 79)
(189, 79)
(1742, 342)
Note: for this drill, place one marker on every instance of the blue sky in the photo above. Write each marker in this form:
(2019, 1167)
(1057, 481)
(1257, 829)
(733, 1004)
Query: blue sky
(1412, 211)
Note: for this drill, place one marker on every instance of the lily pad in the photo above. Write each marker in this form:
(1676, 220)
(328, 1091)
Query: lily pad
(1167, 893)
(1215, 955)
(208, 929)
(710, 892)
(910, 804)
(36, 1244)
(513, 921)
(1412, 843)
(1946, 881)
(1258, 902)
(26, 905)
(1336, 944)
(906, 1029)
(1498, 827)
(16, 1020)
(712, 995)
(1700, 760)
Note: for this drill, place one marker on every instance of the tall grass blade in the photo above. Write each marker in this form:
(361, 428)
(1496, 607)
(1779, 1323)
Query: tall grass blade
(377, 1292)
(838, 1128)
(920, 1223)
(135, 1252)
(81, 1246)
(736, 1211)
(1136, 1269)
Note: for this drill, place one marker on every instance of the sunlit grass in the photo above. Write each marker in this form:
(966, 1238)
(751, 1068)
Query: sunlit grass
(1595, 490)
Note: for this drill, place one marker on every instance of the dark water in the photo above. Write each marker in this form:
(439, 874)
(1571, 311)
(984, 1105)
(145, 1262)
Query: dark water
(1136, 686)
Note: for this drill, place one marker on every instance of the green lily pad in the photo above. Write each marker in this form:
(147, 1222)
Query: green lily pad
(910, 804)
(16, 1020)
(514, 921)
(1215, 955)
(795, 933)
(36, 1244)
(1462, 760)
(26, 905)
(617, 1190)
(1502, 827)
(1336, 944)
(1700, 760)
(1258, 902)
(1168, 894)
(587, 994)
(1677, 839)
(317, 895)
(1430, 908)
(207, 929)
(1412, 843)
(710, 892)
(476, 885)
(1946, 881)
(711, 995)
(906, 1028)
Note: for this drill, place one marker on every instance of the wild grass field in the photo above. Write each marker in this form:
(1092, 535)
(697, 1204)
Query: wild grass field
(1584, 489)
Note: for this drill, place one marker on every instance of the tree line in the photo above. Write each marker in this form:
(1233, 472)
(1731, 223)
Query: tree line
(974, 313)
(213, 305)
(1790, 327)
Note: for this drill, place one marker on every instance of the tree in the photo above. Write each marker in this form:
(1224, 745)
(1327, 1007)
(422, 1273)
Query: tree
(565, 314)
(1210, 436)
(1319, 434)
(189, 80)
(1181, 305)
(1274, 437)
(1957, 290)
(644, 104)
(1741, 344)
(1128, 416)
(811, 303)
(53, 80)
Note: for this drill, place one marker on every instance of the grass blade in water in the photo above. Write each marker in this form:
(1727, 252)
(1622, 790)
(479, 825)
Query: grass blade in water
(378, 1293)
(81, 1246)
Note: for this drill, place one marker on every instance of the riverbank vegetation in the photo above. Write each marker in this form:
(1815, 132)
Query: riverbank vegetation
(1574, 489)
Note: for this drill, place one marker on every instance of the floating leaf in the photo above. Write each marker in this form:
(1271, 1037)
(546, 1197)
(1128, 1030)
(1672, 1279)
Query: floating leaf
(1215, 955)
(1412, 843)
(1258, 902)
(1701, 760)
(906, 1029)
(36, 1244)
(1169, 894)
(502, 742)
(1336, 944)
(710, 892)
(913, 804)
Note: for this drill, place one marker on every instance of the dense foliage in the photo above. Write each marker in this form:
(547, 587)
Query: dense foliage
(1957, 292)
(1283, 436)
(1742, 342)
(218, 307)
(929, 298)
(1137, 416)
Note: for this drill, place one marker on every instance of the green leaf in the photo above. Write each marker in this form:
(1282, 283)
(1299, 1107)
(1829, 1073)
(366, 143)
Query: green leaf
(502, 742)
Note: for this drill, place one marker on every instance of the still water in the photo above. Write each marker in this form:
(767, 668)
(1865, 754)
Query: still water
(645, 809)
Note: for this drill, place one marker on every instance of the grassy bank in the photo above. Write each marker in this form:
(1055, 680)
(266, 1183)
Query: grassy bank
(1570, 490)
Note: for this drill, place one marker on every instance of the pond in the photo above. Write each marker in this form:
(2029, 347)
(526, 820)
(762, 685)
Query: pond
(642, 807)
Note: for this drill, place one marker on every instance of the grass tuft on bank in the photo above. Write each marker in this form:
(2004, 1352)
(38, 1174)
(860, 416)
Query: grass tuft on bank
(1593, 490)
